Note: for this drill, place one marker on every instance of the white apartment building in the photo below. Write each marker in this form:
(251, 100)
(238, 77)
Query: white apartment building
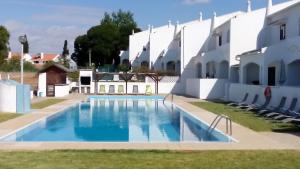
(206, 54)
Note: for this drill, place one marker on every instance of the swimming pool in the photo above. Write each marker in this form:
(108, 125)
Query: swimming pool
(119, 119)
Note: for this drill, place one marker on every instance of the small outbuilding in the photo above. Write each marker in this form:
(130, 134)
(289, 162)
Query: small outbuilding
(53, 81)
(14, 97)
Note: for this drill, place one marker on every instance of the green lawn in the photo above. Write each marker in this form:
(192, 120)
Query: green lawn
(247, 118)
(151, 160)
(46, 103)
(8, 116)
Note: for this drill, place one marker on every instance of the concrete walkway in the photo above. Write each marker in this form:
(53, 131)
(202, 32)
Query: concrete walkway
(247, 139)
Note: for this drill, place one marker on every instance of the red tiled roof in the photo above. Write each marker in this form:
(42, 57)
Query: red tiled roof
(47, 57)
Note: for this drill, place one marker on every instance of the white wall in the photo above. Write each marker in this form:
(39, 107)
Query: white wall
(61, 90)
(237, 93)
(8, 98)
(136, 43)
(206, 88)
(162, 41)
(42, 85)
(245, 33)
(290, 17)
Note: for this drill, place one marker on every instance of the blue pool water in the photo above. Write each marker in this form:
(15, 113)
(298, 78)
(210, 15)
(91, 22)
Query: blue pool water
(119, 119)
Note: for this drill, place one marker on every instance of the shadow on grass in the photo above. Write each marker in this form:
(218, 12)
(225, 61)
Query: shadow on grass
(247, 118)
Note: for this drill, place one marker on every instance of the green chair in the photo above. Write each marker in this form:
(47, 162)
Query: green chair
(102, 89)
(148, 90)
(120, 89)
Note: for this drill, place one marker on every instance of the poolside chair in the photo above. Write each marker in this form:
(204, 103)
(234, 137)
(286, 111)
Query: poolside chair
(135, 89)
(292, 120)
(148, 90)
(121, 89)
(286, 113)
(267, 112)
(255, 99)
(241, 102)
(257, 107)
(111, 89)
(102, 89)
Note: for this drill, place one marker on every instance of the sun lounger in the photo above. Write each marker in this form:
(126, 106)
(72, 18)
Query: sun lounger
(255, 99)
(273, 109)
(257, 107)
(286, 113)
(241, 102)
(292, 120)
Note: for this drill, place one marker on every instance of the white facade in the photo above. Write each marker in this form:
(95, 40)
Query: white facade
(211, 49)
(42, 85)
(281, 47)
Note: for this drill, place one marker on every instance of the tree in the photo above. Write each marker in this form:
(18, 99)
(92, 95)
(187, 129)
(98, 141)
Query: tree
(64, 60)
(65, 52)
(105, 40)
(4, 43)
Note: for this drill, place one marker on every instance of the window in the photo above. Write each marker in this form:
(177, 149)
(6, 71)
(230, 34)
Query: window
(144, 48)
(282, 31)
(179, 43)
(220, 40)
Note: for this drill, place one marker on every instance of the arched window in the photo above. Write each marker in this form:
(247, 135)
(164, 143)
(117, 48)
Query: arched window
(223, 70)
(293, 70)
(251, 74)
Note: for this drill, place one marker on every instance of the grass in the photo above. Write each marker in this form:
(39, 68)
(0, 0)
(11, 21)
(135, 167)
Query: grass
(247, 118)
(8, 116)
(46, 103)
(150, 160)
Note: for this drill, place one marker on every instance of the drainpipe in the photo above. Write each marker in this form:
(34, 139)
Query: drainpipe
(183, 50)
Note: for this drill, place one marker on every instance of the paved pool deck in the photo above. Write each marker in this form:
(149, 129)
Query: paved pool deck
(246, 139)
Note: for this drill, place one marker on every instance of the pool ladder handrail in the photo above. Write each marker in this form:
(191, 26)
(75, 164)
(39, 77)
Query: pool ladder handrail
(217, 120)
(172, 98)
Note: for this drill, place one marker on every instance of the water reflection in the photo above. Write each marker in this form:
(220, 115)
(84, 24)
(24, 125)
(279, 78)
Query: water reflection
(121, 121)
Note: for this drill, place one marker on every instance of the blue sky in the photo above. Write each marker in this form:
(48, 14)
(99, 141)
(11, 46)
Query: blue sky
(49, 22)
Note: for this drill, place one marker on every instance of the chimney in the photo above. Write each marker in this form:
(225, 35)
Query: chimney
(132, 31)
(42, 55)
(213, 22)
(249, 9)
(200, 17)
(269, 7)
(169, 23)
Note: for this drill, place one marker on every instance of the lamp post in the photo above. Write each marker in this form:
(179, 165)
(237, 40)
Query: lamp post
(22, 40)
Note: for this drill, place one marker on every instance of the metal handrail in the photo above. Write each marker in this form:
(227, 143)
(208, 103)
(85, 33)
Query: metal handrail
(217, 120)
(172, 98)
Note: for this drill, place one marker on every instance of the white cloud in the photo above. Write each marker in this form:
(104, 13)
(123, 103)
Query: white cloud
(70, 15)
(43, 39)
(47, 29)
(191, 2)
